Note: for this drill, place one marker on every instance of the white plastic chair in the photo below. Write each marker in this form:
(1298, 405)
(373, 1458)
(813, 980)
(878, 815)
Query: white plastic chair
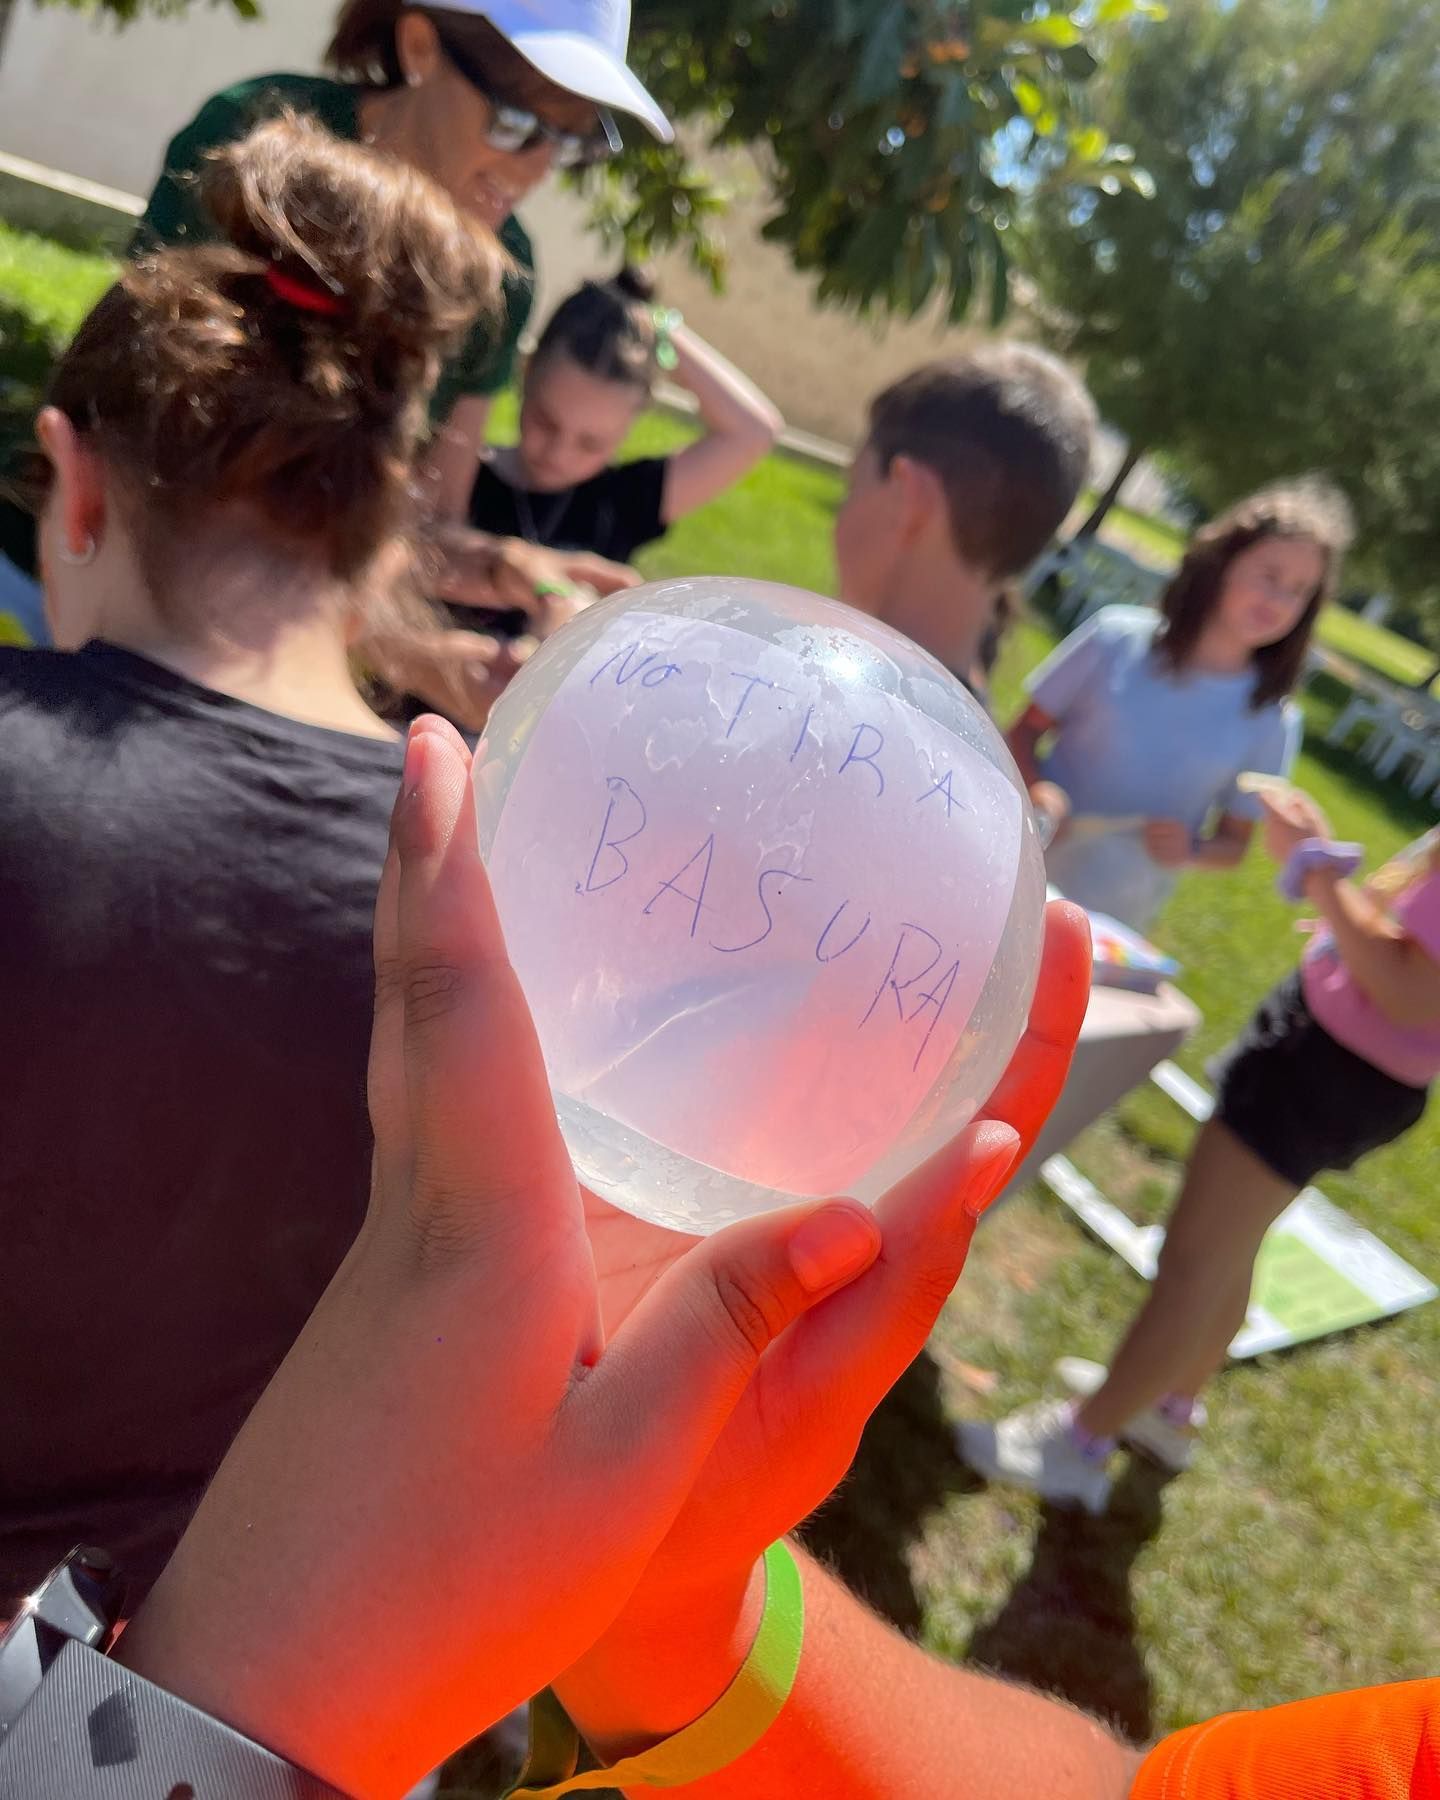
(1426, 779)
(1359, 709)
(1099, 576)
(1403, 741)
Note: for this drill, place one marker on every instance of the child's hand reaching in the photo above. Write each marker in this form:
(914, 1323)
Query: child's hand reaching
(1168, 842)
(1290, 817)
(1052, 810)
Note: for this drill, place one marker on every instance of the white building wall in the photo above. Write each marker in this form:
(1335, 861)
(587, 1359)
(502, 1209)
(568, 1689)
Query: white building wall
(80, 96)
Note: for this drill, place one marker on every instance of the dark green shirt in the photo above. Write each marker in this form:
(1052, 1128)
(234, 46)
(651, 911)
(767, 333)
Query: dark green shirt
(176, 214)
(484, 364)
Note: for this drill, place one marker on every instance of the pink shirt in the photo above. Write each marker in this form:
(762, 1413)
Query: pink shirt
(1408, 1053)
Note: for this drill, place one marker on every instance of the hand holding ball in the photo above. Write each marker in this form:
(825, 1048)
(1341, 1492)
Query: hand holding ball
(772, 887)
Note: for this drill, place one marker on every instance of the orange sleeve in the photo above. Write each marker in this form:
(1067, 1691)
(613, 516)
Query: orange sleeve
(1379, 1743)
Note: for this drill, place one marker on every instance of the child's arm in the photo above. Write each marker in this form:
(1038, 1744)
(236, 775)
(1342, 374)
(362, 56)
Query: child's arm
(740, 426)
(447, 471)
(871, 1715)
(1050, 800)
(1397, 974)
(1067, 680)
(1023, 740)
(1226, 846)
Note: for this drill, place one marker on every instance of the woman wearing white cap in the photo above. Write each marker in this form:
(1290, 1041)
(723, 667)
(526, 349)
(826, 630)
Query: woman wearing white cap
(486, 97)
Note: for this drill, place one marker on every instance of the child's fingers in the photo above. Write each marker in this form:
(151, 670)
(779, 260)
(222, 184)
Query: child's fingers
(680, 1363)
(482, 1133)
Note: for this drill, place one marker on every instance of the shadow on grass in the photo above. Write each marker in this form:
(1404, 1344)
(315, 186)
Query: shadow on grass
(1068, 1626)
(905, 1466)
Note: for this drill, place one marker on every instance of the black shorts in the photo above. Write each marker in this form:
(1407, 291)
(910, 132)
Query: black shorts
(1301, 1102)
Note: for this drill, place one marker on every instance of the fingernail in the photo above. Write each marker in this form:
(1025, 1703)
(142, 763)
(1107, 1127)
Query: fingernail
(992, 1180)
(415, 749)
(833, 1246)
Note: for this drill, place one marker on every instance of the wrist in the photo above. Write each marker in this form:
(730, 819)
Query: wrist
(1320, 882)
(1313, 860)
(664, 1662)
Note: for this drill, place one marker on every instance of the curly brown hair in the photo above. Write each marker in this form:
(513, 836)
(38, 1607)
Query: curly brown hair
(1309, 508)
(202, 384)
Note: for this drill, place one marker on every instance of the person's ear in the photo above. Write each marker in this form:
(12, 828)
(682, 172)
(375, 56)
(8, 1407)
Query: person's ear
(918, 495)
(417, 48)
(72, 531)
(77, 487)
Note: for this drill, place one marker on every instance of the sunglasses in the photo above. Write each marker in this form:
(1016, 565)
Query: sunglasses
(513, 130)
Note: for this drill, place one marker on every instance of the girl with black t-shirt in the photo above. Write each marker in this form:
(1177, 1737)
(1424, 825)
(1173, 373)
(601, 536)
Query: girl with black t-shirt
(194, 802)
(590, 378)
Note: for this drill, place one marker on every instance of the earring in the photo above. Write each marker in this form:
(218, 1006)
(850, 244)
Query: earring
(414, 79)
(79, 559)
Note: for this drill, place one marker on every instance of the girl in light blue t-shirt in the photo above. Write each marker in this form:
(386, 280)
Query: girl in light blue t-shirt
(1151, 716)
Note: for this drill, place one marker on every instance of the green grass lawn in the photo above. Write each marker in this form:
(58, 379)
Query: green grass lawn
(54, 287)
(1152, 540)
(1300, 1554)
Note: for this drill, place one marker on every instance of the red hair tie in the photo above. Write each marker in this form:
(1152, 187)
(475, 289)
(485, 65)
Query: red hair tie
(304, 294)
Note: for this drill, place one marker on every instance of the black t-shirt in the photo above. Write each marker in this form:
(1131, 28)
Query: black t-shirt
(187, 887)
(614, 514)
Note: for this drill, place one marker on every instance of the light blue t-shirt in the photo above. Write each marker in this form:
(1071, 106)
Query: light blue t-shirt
(1137, 741)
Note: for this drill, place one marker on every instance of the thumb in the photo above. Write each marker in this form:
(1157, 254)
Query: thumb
(674, 1372)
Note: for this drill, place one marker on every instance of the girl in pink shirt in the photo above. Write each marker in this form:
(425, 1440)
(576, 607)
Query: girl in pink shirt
(1336, 1062)
(1353, 991)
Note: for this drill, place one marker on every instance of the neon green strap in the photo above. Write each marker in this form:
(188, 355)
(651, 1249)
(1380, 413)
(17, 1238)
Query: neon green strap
(736, 1722)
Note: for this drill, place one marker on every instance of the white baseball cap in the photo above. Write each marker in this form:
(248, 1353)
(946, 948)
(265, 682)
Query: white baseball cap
(580, 45)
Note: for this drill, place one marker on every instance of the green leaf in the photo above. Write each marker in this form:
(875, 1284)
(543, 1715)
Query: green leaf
(1057, 31)
(995, 36)
(923, 258)
(962, 289)
(875, 248)
(999, 284)
(1090, 144)
(848, 21)
(956, 105)
(1076, 63)
(878, 73)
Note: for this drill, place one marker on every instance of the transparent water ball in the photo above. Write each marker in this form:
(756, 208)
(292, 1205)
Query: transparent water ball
(772, 886)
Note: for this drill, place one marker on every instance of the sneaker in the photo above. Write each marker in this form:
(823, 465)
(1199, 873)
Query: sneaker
(1170, 1445)
(1035, 1448)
